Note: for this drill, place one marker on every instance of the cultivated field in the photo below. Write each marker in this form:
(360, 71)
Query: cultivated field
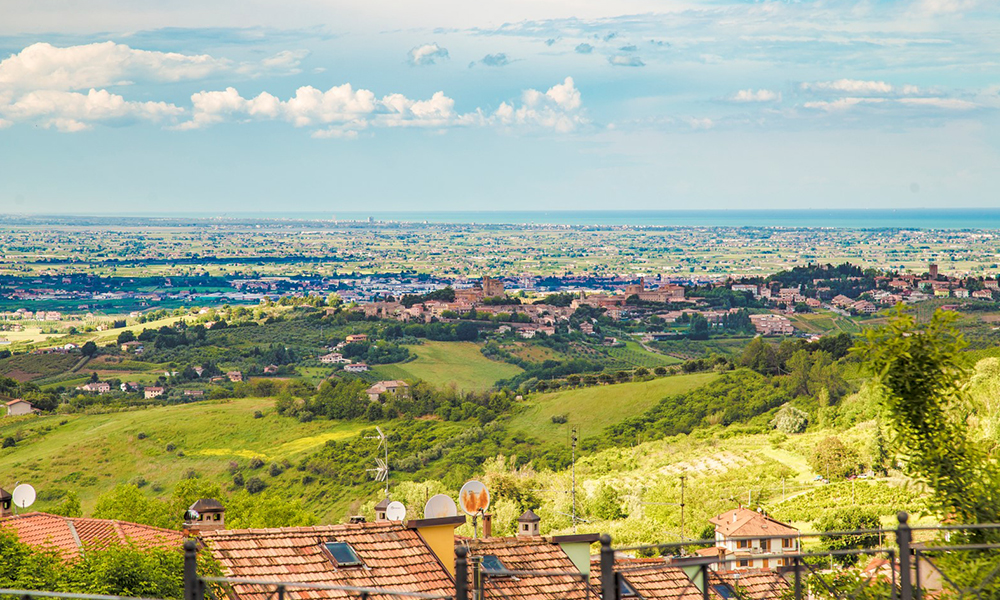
(445, 363)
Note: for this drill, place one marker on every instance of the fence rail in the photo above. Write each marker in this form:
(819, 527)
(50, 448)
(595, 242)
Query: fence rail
(931, 570)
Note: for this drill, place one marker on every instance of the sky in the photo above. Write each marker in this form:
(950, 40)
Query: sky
(244, 106)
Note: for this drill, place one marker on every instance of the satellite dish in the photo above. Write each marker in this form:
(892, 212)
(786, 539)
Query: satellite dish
(23, 495)
(395, 511)
(474, 497)
(439, 506)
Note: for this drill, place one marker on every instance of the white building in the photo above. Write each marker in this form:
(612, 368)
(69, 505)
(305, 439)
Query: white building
(753, 540)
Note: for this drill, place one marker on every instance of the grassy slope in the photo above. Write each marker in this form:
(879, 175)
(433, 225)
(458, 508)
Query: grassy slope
(444, 363)
(92, 453)
(590, 409)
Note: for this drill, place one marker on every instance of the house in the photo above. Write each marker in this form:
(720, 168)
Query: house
(69, 536)
(750, 288)
(394, 387)
(130, 386)
(333, 358)
(356, 368)
(357, 337)
(235, 376)
(271, 370)
(991, 284)
(771, 324)
(960, 292)
(864, 307)
(983, 294)
(415, 556)
(133, 346)
(153, 392)
(194, 393)
(199, 370)
(744, 534)
(841, 301)
(96, 387)
(16, 408)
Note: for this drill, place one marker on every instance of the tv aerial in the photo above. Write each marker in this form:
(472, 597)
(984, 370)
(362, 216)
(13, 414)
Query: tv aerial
(474, 499)
(381, 470)
(23, 495)
(396, 511)
(440, 505)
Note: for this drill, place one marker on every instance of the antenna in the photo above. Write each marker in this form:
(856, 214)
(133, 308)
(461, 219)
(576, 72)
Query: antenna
(381, 470)
(440, 505)
(396, 511)
(574, 479)
(23, 495)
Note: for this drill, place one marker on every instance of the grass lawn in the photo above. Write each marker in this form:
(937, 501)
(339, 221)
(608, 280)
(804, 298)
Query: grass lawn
(90, 454)
(445, 363)
(591, 409)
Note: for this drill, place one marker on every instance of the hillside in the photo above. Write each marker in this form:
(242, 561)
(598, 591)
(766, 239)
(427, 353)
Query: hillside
(591, 409)
(443, 364)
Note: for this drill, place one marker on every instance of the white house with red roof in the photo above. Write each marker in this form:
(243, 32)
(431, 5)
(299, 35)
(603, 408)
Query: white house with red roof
(750, 539)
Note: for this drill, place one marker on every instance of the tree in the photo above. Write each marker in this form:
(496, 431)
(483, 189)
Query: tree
(126, 502)
(698, 329)
(920, 377)
(759, 356)
(69, 507)
(125, 337)
(851, 518)
(832, 458)
(466, 331)
(790, 420)
(607, 504)
(798, 367)
(89, 349)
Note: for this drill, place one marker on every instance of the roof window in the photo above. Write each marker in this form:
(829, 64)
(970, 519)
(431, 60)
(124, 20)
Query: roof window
(725, 590)
(625, 589)
(491, 565)
(342, 554)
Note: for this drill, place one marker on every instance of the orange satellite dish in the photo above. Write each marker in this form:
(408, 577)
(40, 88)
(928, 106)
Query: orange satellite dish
(474, 498)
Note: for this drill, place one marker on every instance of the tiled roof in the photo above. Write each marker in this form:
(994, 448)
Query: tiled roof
(750, 523)
(755, 584)
(530, 554)
(393, 557)
(652, 579)
(70, 535)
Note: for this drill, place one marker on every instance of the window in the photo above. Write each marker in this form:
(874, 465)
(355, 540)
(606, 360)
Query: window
(342, 553)
(625, 589)
(491, 565)
(743, 563)
(743, 543)
(725, 590)
(787, 543)
(765, 544)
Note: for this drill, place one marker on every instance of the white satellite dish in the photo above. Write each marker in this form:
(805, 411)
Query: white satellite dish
(23, 495)
(474, 498)
(439, 506)
(396, 511)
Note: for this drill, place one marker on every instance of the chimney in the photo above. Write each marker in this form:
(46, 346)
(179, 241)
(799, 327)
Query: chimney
(6, 504)
(487, 525)
(439, 535)
(528, 524)
(380, 509)
(206, 514)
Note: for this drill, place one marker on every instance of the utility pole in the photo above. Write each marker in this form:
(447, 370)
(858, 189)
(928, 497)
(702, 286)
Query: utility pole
(574, 479)
(683, 477)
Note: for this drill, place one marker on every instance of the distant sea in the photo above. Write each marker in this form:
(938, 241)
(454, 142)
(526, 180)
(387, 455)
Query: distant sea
(908, 218)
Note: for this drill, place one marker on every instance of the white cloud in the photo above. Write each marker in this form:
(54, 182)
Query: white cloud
(935, 7)
(756, 96)
(557, 109)
(946, 103)
(4, 123)
(44, 66)
(73, 111)
(621, 60)
(842, 104)
(427, 54)
(855, 87)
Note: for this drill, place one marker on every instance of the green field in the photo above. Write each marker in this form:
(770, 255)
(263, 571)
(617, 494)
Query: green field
(591, 409)
(89, 454)
(445, 363)
(824, 322)
(634, 355)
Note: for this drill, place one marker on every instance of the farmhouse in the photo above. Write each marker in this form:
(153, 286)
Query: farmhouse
(356, 368)
(394, 387)
(235, 376)
(20, 407)
(771, 324)
(152, 392)
(333, 358)
(96, 387)
(357, 337)
(745, 535)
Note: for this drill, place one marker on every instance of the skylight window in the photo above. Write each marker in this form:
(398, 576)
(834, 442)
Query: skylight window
(625, 589)
(491, 565)
(343, 555)
(725, 590)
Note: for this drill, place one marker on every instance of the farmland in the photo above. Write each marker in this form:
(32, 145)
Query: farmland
(443, 364)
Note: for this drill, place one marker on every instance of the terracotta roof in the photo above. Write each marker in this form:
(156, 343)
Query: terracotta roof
(529, 516)
(207, 504)
(536, 555)
(393, 557)
(750, 524)
(70, 535)
(652, 579)
(754, 584)
(12, 402)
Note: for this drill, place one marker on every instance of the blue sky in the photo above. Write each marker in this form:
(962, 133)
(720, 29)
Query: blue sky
(307, 105)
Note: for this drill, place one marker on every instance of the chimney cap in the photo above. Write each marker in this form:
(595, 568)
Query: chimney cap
(207, 505)
(4, 494)
(384, 504)
(529, 517)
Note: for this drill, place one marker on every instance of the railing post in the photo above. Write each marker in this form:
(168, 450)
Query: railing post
(461, 573)
(609, 585)
(903, 538)
(797, 570)
(192, 587)
(477, 578)
(704, 581)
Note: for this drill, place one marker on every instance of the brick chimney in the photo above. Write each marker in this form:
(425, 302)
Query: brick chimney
(6, 504)
(528, 524)
(206, 514)
(487, 525)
